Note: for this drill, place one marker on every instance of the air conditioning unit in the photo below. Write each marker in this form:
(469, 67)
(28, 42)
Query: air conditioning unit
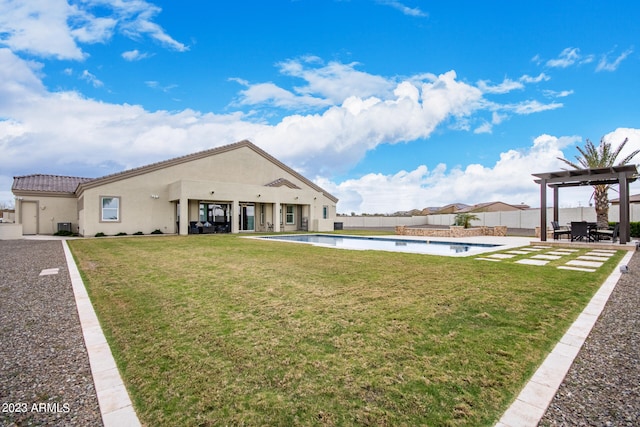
(64, 226)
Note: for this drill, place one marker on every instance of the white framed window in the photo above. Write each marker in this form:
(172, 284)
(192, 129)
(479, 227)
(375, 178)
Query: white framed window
(290, 214)
(109, 209)
(325, 212)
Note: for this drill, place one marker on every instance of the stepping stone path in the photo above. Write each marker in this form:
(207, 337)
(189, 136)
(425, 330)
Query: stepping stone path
(542, 255)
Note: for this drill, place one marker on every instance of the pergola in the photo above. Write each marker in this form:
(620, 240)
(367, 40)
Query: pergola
(621, 175)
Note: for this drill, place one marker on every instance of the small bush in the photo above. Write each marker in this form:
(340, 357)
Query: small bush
(464, 219)
(122, 233)
(634, 228)
(138, 233)
(63, 233)
(157, 231)
(100, 234)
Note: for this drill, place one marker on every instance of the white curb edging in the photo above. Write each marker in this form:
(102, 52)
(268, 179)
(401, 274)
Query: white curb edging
(115, 405)
(532, 402)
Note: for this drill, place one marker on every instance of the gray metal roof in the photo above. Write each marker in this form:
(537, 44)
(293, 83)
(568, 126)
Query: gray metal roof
(47, 183)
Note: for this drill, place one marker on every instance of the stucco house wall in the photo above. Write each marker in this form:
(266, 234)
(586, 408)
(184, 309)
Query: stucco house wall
(166, 196)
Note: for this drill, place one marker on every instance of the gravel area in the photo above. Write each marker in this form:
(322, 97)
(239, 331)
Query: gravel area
(602, 387)
(45, 378)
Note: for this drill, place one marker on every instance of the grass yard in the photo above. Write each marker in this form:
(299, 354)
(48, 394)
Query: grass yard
(221, 330)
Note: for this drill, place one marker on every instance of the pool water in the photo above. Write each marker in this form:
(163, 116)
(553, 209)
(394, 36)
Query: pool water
(386, 244)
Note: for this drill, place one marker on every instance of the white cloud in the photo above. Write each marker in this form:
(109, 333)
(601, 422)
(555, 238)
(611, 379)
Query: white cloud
(539, 78)
(555, 94)
(485, 127)
(530, 107)
(505, 87)
(335, 81)
(39, 27)
(134, 55)
(410, 11)
(568, 57)
(136, 20)
(605, 65)
(633, 143)
(90, 78)
(53, 28)
(270, 94)
(509, 180)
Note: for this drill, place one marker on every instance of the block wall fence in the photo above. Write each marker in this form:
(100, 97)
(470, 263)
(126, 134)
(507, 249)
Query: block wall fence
(529, 218)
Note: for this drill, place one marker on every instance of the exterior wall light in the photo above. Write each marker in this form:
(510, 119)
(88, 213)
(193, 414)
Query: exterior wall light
(155, 196)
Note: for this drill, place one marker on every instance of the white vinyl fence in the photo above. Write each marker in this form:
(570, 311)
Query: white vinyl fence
(529, 218)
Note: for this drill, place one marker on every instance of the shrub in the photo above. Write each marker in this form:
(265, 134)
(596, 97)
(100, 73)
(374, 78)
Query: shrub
(63, 233)
(634, 228)
(100, 234)
(464, 219)
(122, 233)
(138, 233)
(157, 231)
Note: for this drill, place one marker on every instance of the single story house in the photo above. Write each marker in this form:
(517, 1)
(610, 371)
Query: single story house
(234, 188)
(634, 198)
(493, 207)
(456, 208)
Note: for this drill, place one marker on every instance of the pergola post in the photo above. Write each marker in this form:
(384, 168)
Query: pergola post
(556, 203)
(624, 229)
(543, 210)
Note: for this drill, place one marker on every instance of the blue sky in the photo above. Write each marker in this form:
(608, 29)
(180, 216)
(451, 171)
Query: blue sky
(389, 105)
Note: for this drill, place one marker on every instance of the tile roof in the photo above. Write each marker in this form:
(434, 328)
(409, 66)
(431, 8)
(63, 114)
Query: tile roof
(48, 183)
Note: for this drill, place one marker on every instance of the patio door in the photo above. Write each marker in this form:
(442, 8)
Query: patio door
(247, 217)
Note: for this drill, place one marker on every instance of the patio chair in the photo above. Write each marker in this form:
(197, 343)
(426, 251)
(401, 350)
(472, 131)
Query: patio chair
(559, 231)
(579, 231)
(611, 233)
(269, 226)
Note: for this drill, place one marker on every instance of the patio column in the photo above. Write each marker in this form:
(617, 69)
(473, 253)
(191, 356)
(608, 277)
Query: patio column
(184, 216)
(235, 216)
(276, 215)
(543, 210)
(624, 227)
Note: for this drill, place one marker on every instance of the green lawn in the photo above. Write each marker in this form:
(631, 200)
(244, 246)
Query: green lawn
(221, 330)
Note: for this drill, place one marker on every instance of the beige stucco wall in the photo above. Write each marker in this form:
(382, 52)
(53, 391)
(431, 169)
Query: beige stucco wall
(48, 211)
(230, 177)
(10, 231)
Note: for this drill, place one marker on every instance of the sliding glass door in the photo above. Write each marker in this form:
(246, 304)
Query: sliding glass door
(247, 217)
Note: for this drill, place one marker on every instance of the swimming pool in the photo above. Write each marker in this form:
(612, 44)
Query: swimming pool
(432, 247)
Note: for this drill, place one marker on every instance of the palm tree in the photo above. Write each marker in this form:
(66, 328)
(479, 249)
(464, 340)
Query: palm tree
(602, 156)
(464, 219)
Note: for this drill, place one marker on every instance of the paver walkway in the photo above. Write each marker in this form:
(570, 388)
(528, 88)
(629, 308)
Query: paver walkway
(588, 260)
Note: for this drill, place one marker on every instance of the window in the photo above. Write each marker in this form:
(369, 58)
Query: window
(290, 214)
(110, 209)
(325, 212)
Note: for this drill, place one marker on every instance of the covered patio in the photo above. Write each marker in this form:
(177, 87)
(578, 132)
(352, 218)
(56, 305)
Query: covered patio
(621, 175)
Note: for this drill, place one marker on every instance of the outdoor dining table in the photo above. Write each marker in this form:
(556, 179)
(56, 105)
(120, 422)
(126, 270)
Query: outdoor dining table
(590, 231)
